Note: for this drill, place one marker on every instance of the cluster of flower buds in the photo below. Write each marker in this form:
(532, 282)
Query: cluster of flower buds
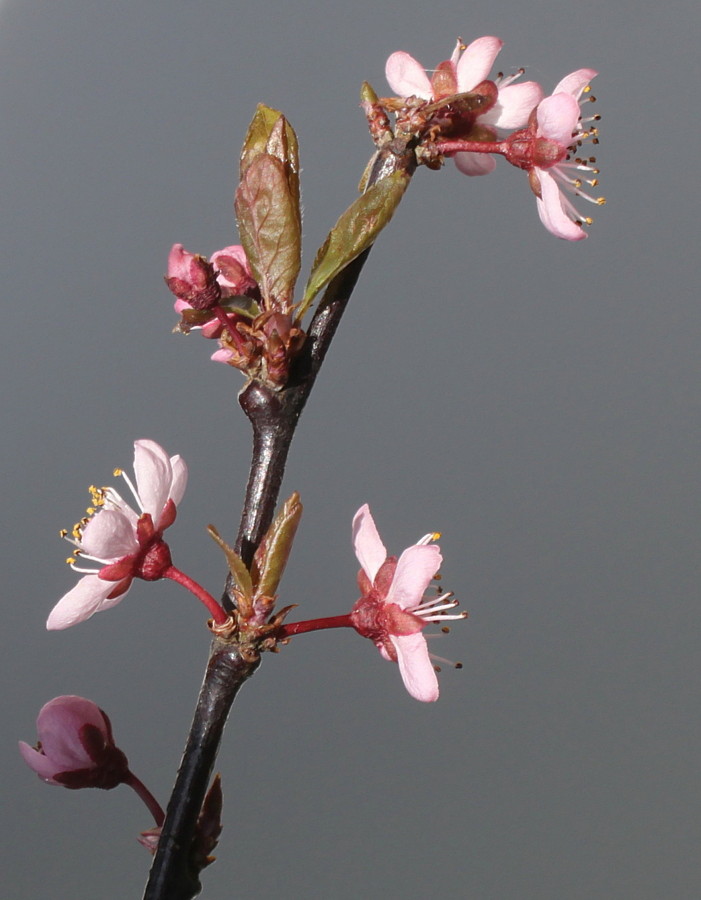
(221, 298)
(458, 112)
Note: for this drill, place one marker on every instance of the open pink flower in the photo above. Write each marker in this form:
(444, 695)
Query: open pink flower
(76, 748)
(545, 149)
(468, 67)
(391, 610)
(125, 543)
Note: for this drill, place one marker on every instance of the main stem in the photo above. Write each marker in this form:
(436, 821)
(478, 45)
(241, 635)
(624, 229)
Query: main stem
(274, 416)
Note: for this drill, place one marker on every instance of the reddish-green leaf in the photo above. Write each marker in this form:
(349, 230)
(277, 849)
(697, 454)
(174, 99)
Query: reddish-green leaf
(270, 229)
(354, 232)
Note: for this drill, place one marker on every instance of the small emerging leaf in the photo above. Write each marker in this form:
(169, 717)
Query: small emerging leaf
(237, 567)
(270, 229)
(262, 138)
(271, 556)
(367, 93)
(354, 232)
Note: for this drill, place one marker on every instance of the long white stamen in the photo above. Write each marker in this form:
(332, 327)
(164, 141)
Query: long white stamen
(131, 488)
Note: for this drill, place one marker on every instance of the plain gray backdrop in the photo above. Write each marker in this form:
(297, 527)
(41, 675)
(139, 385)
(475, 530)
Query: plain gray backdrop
(538, 402)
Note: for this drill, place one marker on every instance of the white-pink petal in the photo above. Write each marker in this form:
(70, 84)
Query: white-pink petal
(552, 213)
(368, 546)
(476, 62)
(109, 536)
(407, 77)
(475, 163)
(153, 476)
(514, 105)
(415, 667)
(558, 118)
(81, 602)
(178, 483)
(415, 570)
(574, 83)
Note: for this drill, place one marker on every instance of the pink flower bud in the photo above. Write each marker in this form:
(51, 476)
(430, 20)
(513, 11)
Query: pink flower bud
(192, 278)
(75, 748)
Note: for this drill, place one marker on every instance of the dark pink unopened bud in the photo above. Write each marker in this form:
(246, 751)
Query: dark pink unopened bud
(75, 748)
(192, 278)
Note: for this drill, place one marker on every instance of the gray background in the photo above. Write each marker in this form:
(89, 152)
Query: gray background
(536, 401)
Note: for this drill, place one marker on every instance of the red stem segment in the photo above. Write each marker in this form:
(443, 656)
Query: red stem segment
(230, 327)
(218, 614)
(288, 630)
(451, 147)
(154, 807)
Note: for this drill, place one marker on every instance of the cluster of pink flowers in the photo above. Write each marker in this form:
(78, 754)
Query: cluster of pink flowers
(552, 128)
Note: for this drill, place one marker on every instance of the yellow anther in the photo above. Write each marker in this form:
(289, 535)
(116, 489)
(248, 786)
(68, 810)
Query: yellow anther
(601, 201)
(436, 536)
(70, 560)
(63, 533)
(117, 473)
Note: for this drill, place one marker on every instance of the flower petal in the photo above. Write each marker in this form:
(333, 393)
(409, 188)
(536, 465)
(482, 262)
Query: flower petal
(407, 77)
(514, 105)
(81, 602)
(574, 83)
(153, 476)
(552, 213)
(368, 547)
(475, 163)
(558, 117)
(178, 482)
(415, 667)
(58, 727)
(223, 355)
(109, 536)
(42, 765)
(415, 569)
(476, 62)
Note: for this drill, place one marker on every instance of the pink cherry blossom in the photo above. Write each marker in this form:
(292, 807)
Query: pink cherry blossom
(392, 611)
(76, 748)
(125, 543)
(468, 67)
(545, 149)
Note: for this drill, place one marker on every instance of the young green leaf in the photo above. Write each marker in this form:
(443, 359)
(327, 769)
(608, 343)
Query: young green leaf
(356, 230)
(272, 554)
(237, 567)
